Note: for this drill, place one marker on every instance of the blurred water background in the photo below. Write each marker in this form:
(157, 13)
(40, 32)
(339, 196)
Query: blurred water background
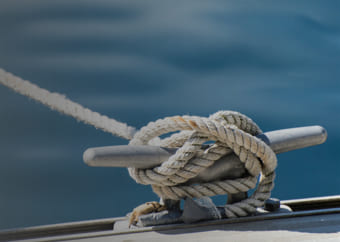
(137, 61)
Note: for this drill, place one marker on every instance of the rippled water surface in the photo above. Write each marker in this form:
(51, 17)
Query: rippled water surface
(137, 61)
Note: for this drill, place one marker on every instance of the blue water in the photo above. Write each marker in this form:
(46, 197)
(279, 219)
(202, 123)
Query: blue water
(137, 61)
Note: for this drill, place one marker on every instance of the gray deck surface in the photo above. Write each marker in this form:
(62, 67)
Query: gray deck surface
(313, 224)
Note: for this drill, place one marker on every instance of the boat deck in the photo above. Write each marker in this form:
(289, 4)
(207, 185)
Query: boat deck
(312, 219)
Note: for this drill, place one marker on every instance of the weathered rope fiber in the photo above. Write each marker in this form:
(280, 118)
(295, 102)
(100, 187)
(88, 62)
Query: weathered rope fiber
(231, 131)
(62, 104)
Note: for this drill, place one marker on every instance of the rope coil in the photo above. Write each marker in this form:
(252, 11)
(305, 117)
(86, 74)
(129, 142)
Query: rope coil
(231, 131)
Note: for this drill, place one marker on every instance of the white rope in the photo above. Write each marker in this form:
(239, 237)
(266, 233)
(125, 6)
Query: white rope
(231, 131)
(60, 103)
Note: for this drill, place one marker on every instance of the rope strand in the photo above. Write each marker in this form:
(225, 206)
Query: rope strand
(64, 105)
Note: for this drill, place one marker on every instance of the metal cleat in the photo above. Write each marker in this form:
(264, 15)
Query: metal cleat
(227, 167)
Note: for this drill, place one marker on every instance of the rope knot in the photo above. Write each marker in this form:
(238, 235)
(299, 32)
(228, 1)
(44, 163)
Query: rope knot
(231, 132)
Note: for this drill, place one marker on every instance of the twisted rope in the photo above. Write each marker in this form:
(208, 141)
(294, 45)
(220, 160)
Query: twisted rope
(231, 131)
(59, 102)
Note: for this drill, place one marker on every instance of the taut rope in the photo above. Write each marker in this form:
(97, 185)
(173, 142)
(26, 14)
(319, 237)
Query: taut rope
(231, 131)
(62, 104)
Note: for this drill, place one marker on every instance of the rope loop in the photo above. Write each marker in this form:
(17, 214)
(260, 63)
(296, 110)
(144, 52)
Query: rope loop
(232, 132)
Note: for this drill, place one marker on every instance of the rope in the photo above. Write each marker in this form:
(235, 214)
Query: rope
(59, 102)
(231, 131)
